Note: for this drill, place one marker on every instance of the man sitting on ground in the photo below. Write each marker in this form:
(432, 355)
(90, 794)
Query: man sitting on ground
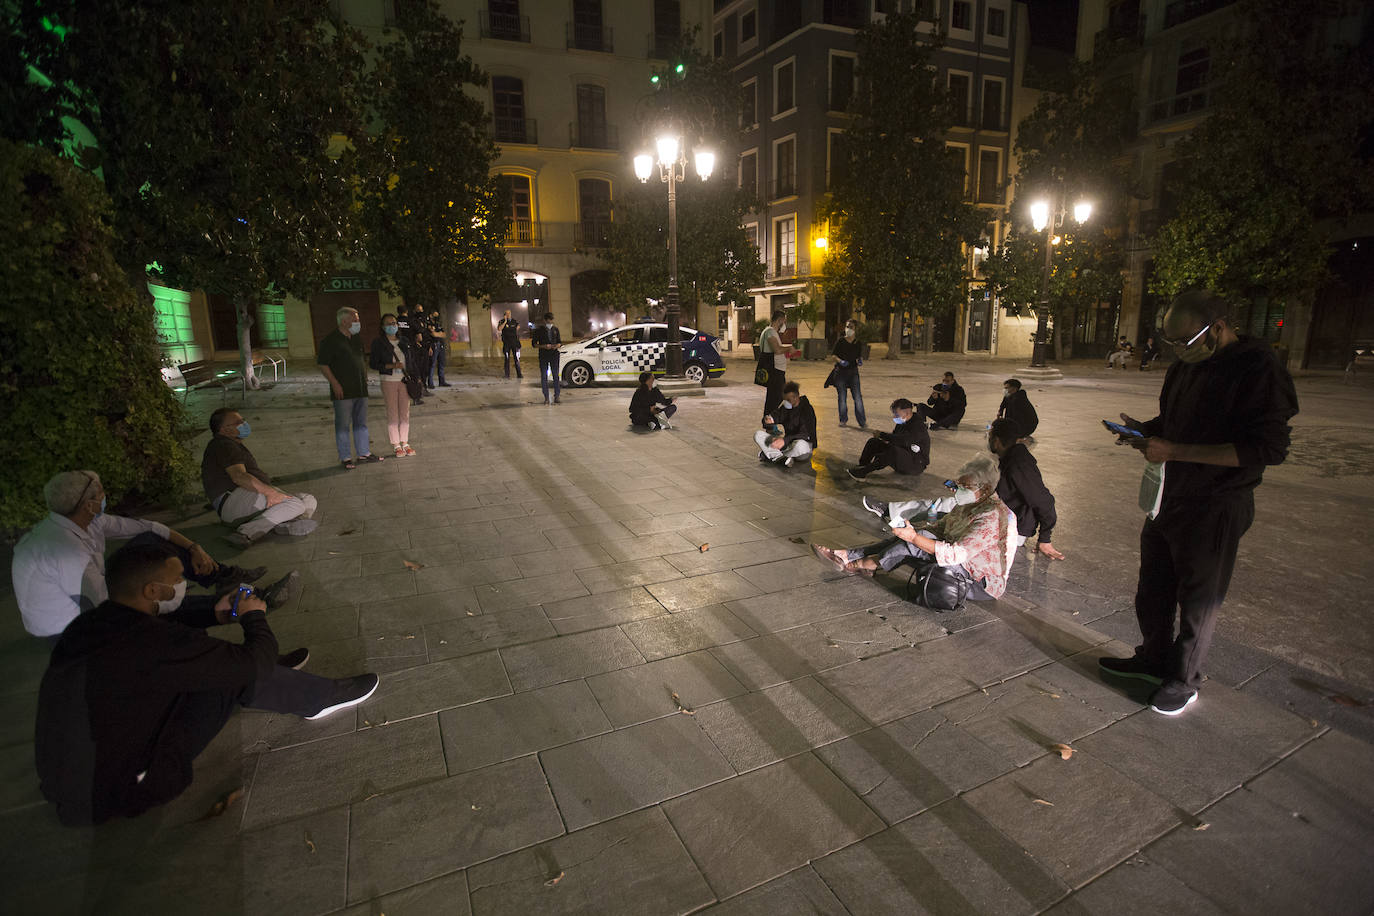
(59, 565)
(649, 407)
(946, 405)
(1022, 488)
(134, 690)
(789, 432)
(1016, 407)
(242, 493)
(906, 449)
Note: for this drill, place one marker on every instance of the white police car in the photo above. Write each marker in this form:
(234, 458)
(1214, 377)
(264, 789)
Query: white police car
(627, 351)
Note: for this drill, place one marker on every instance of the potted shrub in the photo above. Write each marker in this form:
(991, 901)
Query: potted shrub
(759, 325)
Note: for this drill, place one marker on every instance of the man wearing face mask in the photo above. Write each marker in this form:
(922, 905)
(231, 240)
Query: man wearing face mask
(59, 565)
(547, 340)
(846, 374)
(906, 449)
(242, 493)
(509, 329)
(344, 366)
(134, 692)
(1017, 408)
(1022, 488)
(1223, 416)
(789, 432)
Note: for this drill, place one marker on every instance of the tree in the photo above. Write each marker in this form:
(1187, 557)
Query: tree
(429, 206)
(898, 217)
(717, 261)
(1265, 186)
(224, 132)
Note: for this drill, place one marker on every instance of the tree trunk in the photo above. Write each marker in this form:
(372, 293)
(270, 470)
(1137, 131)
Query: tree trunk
(928, 334)
(245, 316)
(894, 331)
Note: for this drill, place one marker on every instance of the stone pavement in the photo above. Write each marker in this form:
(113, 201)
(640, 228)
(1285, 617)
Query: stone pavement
(615, 681)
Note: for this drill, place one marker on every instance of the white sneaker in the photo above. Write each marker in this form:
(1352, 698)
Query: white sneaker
(788, 462)
(352, 691)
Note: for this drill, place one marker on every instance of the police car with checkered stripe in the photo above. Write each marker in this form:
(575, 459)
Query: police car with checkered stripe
(625, 352)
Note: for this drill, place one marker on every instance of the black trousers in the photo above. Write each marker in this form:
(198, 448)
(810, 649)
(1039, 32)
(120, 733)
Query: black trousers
(512, 353)
(876, 455)
(772, 395)
(942, 416)
(1185, 569)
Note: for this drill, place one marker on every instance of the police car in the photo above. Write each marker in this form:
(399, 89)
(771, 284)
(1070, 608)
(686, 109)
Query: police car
(627, 351)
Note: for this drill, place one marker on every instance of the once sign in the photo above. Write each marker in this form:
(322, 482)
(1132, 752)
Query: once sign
(347, 284)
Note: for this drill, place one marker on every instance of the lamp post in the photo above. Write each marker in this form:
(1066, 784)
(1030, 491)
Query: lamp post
(672, 168)
(1048, 218)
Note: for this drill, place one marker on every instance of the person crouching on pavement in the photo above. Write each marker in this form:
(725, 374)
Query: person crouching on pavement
(1016, 406)
(946, 405)
(242, 493)
(649, 407)
(1022, 488)
(789, 432)
(976, 538)
(906, 449)
(133, 694)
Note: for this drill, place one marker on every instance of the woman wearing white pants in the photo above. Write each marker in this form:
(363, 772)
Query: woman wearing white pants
(388, 358)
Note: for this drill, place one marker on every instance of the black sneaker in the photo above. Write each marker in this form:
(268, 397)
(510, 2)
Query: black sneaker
(1135, 667)
(349, 692)
(445, 385)
(296, 659)
(876, 506)
(857, 473)
(233, 575)
(282, 591)
(1172, 699)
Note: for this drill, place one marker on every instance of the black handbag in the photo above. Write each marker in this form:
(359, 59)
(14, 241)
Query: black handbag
(940, 588)
(413, 387)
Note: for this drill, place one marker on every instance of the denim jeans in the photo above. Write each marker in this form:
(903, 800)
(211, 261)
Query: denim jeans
(548, 366)
(851, 384)
(351, 412)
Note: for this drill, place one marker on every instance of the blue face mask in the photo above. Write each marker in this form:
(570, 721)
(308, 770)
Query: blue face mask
(244, 429)
(899, 420)
(102, 506)
(391, 330)
(355, 327)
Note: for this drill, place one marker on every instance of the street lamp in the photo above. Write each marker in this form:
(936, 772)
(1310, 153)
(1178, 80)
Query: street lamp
(1047, 219)
(672, 168)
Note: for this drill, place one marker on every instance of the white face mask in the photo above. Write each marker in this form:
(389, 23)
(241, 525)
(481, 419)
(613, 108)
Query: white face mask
(168, 605)
(787, 405)
(849, 333)
(963, 496)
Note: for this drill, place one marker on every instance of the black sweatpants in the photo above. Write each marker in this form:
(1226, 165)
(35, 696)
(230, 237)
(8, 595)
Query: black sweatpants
(1185, 569)
(876, 454)
(772, 395)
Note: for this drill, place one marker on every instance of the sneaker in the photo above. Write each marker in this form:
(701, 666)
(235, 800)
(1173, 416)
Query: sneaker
(762, 457)
(844, 422)
(294, 660)
(1172, 699)
(233, 575)
(789, 462)
(857, 473)
(349, 692)
(1135, 667)
(282, 591)
(876, 506)
(445, 385)
(241, 540)
(297, 527)
(558, 400)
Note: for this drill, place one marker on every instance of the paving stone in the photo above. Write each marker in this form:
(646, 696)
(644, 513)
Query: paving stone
(733, 556)
(380, 653)
(1309, 695)
(598, 533)
(912, 764)
(606, 609)
(991, 653)
(567, 657)
(699, 591)
(1053, 632)
(753, 828)
(358, 591)
(1095, 816)
(568, 558)
(18, 712)
(662, 523)
(810, 603)
(600, 579)
(517, 593)
(18, 778)
(799, 892)
(328, 569)
(723, 535)
(1254, 850)
(302, 627)
(412, 613)
(633, 864)
(760, 728)
(1326, 783)
(269, 731)
(626, 549)
(447, 895)
(783, 574)
(599, 778)
(385, 527)
(488, 514)
(446, 825)
(646, 691)
(1232, 664)
(801, 523)
(507, 727)
(895, 685)
(443, 684)
(946, 860)
(686, 631)
(349, 768)
(1225, 738)
(544, 520)
(480, 633)
(474, 572)
(592, 514)
(1134, 880)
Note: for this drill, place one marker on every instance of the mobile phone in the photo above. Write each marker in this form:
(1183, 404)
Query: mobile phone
(234, 605)
(951, 484)
(1123, 430)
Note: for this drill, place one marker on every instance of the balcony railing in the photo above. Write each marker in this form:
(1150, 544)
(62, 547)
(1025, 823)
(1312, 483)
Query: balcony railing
(515, 130)
(592, 233)
(784, 187)
(1180, 11)
(505, 26)
(524, 232)
(1182, 104)
(1120, 37)
(593, 136)
(783, 270)
(590, 38)
(661, 47)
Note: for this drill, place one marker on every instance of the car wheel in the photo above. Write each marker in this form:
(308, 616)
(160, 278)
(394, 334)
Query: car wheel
(578, 375)
(695, 373)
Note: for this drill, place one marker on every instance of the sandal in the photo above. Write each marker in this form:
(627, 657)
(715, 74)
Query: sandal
(409, 450)
(348, 464)
(369, 458)
(400, 452)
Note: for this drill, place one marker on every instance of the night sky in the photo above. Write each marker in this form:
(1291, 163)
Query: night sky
(1053, 23)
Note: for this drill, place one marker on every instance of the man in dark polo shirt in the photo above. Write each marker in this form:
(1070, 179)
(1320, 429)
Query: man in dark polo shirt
(242, 493)
(344, 365)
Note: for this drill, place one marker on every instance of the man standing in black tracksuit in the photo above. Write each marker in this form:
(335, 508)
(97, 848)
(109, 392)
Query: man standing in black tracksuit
(1223, 416)
(906, 449)
(136, 689)
(1021, 487)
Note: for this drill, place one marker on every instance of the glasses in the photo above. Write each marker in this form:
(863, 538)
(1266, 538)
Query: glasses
(1183, 345)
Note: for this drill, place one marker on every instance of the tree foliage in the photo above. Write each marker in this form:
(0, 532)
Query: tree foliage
(80, 369)
(897, 210)
(429, 206)
(1265, 185)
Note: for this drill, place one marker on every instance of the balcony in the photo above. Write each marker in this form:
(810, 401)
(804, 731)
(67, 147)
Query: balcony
(514, 130)
(593, 136)
(524, 232)
(505, 26)
(786, 270)
(1120, 37)
(661, 47)
(592, 233)
(1185, 103)
(1180, 11)
(783, 187)
(589, 38)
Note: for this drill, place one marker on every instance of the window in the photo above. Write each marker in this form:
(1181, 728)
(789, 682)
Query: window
(961, 16)
(785, 243)
(625, 337)
(959, 97)
(785, 167)
(594, 206)
(787, 17)
(667, 27)
(272, 322)
(989, 176)
(591, 117)
(997, 22)
(587, 26)
(841, 81)
(749, 113)
(718, 44)
(751, 232)
(503, 21)
(172, 323)
(749, 173)
(992, 104)
(508, 110)
(748, 26)
(784, 88)
(1193, 65)
(521, 212)
(959, 156)
(836, 158)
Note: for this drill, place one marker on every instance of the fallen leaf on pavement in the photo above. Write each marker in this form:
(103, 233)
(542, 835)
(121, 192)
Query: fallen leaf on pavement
(223, 804)
(1202, 826)
(554, 880)
(443, 642)
(685, 710)
(348, 531)
(309, 843)
(411, 564)
(1041, 801)
(1065, 752)
(704, 547)
(797, 540)
(1341, 699)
